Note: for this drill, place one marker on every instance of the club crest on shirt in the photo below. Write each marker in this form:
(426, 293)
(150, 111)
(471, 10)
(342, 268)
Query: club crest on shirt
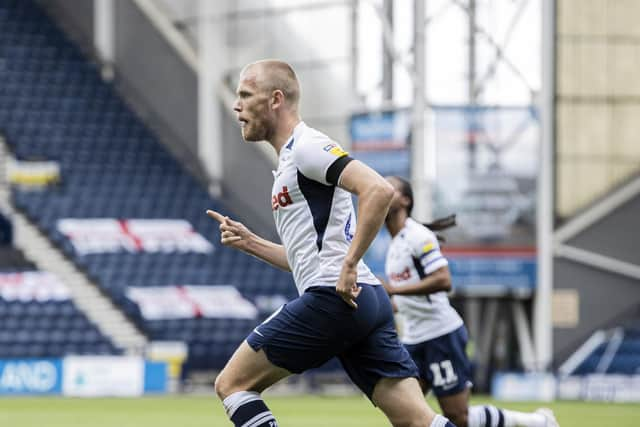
(335, 149)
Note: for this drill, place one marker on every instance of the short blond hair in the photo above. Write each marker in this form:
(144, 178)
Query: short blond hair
(273, 74)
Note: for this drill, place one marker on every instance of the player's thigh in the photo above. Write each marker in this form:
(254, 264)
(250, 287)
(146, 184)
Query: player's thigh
(456, 407)
(248, 370)
(402, 402)
(424, 386)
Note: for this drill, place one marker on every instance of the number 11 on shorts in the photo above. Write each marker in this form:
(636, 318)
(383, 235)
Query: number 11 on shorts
(438, 369)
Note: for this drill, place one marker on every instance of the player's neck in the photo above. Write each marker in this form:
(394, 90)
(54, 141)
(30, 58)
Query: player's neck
(284, 131)
(395, 222)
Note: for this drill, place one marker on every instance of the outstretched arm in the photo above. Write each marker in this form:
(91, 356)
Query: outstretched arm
(374, 197)
(236, 235)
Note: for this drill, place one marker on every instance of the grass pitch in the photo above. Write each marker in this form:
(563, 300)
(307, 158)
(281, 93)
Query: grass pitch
(302, 411)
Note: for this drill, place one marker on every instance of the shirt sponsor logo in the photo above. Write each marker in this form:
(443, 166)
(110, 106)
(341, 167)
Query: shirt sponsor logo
(335, 149)
(281, 199)
(399, 277)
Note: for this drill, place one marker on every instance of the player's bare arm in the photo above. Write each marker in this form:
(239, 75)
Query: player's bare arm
(236, 235)
(439, 280)
(374, 196)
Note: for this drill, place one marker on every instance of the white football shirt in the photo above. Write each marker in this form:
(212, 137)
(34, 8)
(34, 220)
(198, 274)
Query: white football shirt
(413, 254)
(314, 218)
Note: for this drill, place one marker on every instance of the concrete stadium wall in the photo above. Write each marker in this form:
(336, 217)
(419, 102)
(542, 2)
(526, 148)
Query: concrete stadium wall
(77, 17)
(616, 236)
(597, 99)
(605, 299)
(163, 87)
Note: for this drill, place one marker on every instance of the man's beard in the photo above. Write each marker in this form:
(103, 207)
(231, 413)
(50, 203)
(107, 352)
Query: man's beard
(255, 131)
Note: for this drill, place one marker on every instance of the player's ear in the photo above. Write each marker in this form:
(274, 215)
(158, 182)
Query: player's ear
(406, 201)
(277, 99)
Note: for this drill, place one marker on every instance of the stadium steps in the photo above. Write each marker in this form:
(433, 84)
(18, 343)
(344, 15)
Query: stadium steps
(85, 294)
(613, 351)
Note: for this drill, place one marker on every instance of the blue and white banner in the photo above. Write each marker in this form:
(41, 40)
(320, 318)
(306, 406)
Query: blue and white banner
(30, 377)
(83, 376)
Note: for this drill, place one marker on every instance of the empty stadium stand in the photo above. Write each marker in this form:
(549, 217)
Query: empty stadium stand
(48, 329)
(618, 353)
(54, 106)
(32, 326)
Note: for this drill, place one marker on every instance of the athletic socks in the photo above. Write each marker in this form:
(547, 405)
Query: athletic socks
(485, 416)
(490, 416)
(440, 421)
(247, 409)
(528, 419)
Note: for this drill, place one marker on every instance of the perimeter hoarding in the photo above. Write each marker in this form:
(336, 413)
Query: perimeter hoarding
(30, 377)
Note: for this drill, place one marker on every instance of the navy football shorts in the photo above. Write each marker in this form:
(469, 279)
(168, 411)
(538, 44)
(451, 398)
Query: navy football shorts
(443, 362)
(308, 331)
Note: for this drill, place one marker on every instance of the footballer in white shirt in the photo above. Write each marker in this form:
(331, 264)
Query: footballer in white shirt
(433, 332)
(342, 311)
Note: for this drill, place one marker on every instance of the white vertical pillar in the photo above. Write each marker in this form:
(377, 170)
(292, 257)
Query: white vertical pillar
(355, 54)
(103, 37)
(211, 59)
(542, 326)
(420, 175)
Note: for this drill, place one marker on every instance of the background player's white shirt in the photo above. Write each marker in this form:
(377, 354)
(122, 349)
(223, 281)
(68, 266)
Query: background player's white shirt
(315, 219)
(414, 253)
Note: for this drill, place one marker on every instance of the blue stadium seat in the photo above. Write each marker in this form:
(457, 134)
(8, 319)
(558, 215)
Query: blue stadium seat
(54, 105)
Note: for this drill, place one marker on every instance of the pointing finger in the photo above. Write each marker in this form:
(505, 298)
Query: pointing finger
(215, 215)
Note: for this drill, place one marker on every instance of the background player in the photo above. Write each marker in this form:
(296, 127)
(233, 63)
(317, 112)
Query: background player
(433, 332)
(342, 309)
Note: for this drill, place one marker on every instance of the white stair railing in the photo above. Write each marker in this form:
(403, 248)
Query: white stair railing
(582, 353)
